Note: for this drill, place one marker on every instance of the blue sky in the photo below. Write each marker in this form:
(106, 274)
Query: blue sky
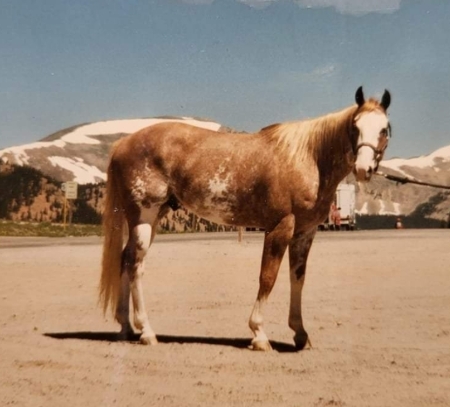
(243, 63)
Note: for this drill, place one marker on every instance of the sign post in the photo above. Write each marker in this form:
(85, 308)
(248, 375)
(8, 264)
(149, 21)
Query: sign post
(70, 189)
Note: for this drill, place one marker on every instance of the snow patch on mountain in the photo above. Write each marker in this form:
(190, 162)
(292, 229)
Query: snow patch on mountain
(425, 161)
(364, 209)
(81, 134)
(83, 173)
(383, 208)
(384, 211)
(21, 157)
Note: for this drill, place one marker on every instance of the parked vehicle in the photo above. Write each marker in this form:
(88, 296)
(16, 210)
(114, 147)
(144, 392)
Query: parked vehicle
(342, 210)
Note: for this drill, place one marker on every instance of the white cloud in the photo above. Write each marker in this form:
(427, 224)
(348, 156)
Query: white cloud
(353, 7)
(288, 79)
(198, 2)
(318, 73)
(323, 71)
(258, 3)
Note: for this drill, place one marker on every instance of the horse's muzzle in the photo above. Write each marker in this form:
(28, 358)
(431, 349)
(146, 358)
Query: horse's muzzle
(362, 174)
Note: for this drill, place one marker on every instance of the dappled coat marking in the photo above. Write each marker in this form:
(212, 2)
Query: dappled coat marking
(282, 179)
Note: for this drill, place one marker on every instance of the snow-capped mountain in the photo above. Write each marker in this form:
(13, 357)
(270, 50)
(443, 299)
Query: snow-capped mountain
(384, 197)
(435, 167)
(80, 153)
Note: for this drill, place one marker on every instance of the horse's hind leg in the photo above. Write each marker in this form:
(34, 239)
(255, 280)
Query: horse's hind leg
(275, 244)
(298, 255)
(141, 236)
(123, 307)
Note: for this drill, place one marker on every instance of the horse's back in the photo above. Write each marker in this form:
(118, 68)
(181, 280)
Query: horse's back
(165, 141)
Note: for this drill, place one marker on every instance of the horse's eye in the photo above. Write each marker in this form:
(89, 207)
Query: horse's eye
(384, 132)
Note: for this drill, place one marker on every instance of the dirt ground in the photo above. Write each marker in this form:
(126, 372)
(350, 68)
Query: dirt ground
(376, 306)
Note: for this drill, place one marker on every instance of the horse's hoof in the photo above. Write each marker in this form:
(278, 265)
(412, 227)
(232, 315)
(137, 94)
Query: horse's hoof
(261, 345)
(148, 340)
(302, 341)
(126, 333)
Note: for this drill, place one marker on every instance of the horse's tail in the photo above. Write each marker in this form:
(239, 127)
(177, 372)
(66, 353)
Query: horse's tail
(113, 229)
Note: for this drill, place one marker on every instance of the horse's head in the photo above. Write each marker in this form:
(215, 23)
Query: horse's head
(372, 132)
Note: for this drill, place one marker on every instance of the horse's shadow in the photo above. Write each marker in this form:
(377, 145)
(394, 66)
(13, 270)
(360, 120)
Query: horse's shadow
(239, 343)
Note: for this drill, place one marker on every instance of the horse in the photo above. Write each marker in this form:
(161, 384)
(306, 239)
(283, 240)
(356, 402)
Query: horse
(281, 179)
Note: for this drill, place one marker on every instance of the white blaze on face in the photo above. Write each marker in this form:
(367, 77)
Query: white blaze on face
(370, 126)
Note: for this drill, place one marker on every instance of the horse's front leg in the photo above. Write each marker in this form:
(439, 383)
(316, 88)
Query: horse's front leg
(275, 244)
(298, 255)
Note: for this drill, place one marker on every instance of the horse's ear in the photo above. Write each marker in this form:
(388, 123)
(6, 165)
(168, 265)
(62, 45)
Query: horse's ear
(386, 99)
(359, 96)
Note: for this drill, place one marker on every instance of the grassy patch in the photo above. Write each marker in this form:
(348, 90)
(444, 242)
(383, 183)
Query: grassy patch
(8, 228)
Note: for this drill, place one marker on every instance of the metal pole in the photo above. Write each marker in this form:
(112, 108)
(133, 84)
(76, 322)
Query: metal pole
(65, 212)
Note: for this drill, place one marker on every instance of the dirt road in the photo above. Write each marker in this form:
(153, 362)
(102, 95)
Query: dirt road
(376, 306)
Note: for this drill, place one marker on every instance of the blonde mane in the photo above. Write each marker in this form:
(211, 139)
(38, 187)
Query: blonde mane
(313, 138)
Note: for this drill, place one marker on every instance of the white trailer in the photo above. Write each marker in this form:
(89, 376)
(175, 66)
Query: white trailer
(344, 201)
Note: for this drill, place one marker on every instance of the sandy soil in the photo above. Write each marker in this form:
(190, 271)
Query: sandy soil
(376, 305)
